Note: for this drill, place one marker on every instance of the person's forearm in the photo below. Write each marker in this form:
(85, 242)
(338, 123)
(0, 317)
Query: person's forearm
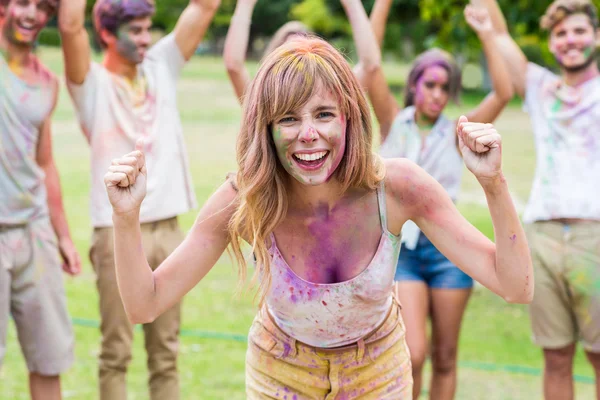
(499, 73)
(55, 202)
(236, 42)
(369, 52)
(236, 46)
(379, 16)
(71, 16)
(498, 20)
(513, 261)
(134, 275)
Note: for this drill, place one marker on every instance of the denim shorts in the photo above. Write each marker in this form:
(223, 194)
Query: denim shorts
(426, 263)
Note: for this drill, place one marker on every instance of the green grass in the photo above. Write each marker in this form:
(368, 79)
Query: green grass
(212, 367)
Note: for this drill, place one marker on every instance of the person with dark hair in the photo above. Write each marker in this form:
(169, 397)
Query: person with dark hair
(132, 94)
(34, 234)
(563, 213)
(429, 285)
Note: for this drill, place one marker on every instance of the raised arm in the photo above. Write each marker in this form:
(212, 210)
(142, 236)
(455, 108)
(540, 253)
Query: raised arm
(513, 56)
(385, 105)
(44, 158)
(236, 46)
(504, 267)
(147, 294)
(489, 109)
(379, 16)
(193, 24)
(75, 40)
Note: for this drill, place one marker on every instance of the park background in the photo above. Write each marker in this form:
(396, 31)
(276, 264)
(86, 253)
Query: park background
(497, 359)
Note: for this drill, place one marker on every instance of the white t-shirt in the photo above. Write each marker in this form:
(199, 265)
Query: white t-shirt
(113, 117)
(566, 126)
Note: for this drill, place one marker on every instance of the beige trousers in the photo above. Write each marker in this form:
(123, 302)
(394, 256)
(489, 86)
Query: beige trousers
(159, 240)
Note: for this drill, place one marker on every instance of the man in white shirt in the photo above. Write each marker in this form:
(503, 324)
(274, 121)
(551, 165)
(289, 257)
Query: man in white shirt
(34, 233)
(131, 95)
(563, 213)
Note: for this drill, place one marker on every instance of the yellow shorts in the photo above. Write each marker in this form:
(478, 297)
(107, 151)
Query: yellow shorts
(376, 367)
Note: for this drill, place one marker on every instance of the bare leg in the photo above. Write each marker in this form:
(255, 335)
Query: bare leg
(414, 297)
(447, 309)
(558, 373)
(44, 387)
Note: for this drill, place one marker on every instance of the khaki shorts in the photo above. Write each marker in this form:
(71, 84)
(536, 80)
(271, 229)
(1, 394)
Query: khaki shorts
(376, 367)
(31, 289)
(566, 303)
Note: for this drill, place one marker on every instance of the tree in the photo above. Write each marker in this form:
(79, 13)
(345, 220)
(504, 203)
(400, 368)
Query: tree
(404, 23)
(320, 18)
(522, 17)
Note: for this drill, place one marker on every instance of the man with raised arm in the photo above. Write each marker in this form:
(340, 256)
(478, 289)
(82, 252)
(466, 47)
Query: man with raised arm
(563, 212)
(130, 95)
(34, 233)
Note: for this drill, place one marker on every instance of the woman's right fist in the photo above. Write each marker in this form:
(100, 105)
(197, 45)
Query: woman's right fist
(126, 181)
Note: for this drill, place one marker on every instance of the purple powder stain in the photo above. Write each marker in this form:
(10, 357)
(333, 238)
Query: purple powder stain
(286, 350)
(513, 238)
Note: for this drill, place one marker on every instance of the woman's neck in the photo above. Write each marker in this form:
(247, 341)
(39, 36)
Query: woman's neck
(307, 199)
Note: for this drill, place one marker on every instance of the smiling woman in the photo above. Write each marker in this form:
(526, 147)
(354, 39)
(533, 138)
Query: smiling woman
(308, 159)
(323, 215)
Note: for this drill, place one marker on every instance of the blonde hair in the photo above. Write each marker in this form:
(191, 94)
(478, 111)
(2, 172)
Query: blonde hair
(286, 80)
(561, 9)
(284, 32)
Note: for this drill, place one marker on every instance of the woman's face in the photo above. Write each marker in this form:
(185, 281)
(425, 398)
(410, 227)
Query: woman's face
(432, 91)
(311, 140)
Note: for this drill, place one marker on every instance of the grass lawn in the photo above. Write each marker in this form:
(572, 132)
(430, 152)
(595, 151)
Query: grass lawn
(497, 358)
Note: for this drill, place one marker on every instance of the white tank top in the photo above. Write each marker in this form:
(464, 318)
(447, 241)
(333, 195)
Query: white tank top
(338, 314)
(23, 109)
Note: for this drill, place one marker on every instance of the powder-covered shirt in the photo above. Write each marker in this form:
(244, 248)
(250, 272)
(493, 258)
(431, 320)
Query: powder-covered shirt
(436, 153)
(24, 106)
(113, 117)
(337, 314)
(566, 123)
